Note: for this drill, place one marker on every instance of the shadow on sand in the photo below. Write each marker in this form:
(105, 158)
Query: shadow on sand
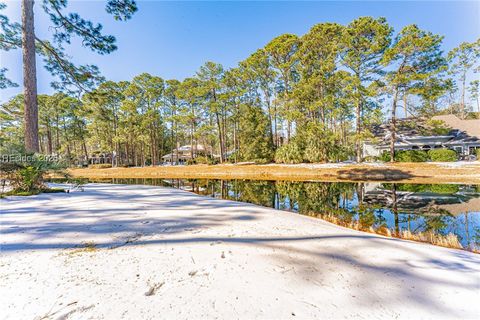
(49, 224)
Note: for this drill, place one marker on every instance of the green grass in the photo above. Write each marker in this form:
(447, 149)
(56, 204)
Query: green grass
(21, 193)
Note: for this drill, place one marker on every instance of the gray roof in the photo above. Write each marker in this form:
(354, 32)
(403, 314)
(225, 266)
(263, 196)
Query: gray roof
(413, 131)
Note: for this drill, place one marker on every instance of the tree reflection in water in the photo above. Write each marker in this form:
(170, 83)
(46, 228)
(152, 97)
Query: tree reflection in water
(441, 209)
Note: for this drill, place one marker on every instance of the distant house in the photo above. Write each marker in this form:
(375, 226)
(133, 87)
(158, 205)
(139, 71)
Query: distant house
(463, 136)
(184, 153)
(100, 158)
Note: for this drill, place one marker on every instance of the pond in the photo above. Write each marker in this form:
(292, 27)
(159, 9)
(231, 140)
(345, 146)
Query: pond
(439, 209)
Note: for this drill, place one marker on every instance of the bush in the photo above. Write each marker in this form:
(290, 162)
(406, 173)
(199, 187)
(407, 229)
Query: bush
(289, 153)
(261, 161)
(406, 156)
(373, 159)
(411, 156)
(444, 188)
(100, 166)
(443, 155)
(385, 156)
(26, 174)
(234, 155)
(29, 178)
(205, 160)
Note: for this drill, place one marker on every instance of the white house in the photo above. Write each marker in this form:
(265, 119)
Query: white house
(463, 137)
(184, 153)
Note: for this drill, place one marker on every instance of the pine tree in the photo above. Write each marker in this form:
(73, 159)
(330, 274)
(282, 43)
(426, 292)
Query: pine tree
(66, 26)
(254, 135)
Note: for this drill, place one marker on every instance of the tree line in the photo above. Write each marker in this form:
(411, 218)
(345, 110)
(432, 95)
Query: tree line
(309, 98)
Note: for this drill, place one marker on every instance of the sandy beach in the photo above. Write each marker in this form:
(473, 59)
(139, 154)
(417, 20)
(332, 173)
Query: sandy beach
(142, 252)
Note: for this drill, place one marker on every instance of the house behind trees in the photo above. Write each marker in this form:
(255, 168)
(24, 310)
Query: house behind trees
(440, 132)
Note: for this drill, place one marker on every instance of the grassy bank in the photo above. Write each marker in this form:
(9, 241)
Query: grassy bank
(401, 172)
(31, 193)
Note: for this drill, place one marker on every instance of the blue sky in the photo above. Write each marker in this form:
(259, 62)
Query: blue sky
(173, 39)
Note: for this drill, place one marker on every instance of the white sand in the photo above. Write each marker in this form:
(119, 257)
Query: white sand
(457, 164)
(198, 257)
(312, 165)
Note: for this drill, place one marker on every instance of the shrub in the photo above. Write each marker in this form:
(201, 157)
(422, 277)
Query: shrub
(201, 160)
(26, 175)
(314, 151)
(289, 153)
(444, 188)
(411, 156)
(205, 160)
(406, 156)
(29, 178)
(233, 156)
(385, 156)
(262, 161)
(442, 155)
(372, 159)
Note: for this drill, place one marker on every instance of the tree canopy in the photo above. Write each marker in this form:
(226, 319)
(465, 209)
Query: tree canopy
(309, 98)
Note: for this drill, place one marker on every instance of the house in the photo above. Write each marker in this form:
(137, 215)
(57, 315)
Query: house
(469, 127)
(463, 136)
(100, 158)
(464, 200)
(184, 153)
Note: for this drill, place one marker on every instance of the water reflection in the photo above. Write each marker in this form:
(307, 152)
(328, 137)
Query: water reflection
(396, 208)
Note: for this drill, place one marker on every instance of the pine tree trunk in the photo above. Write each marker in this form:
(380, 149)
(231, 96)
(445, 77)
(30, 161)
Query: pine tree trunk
(270, 120)
(84, 147)
(173, 144)
(191, 142)
(220, 136)
(275, 126)
(235, 150)
(29, 77)
(464, 78)
(393, 127)
(359, 131)
(49, 140)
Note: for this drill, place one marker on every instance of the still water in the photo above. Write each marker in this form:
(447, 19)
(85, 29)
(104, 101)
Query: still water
(442, 209)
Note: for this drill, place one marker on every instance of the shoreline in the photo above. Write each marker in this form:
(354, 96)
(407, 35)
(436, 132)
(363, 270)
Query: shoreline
(420, 173)
(123, 251)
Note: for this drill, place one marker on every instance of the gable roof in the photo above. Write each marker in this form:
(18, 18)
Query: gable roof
(406, 128)
(417, 130)
(471, 127)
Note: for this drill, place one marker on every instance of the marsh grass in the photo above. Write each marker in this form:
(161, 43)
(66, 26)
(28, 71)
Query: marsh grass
(449, 241)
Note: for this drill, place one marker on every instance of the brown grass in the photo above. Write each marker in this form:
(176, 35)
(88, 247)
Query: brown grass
(87, 247)
(449, 241)
(399, 172)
